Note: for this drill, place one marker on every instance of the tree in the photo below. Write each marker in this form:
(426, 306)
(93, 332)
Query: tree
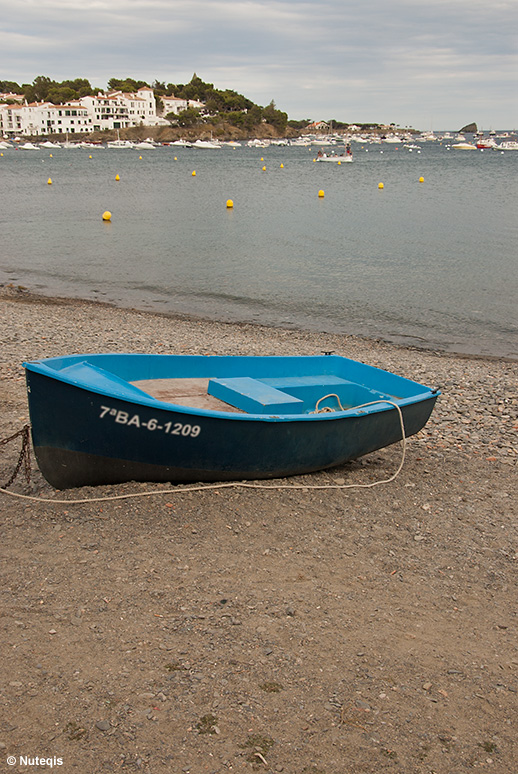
(275, 117)
(126, 85)
(188, 117)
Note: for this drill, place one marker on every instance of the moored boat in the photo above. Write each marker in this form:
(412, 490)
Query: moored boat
(110, 418)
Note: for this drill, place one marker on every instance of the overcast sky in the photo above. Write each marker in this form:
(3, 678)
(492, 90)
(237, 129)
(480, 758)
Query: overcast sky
(429, 64)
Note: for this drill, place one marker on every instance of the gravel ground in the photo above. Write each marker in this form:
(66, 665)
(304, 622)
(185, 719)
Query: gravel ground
(347, 630)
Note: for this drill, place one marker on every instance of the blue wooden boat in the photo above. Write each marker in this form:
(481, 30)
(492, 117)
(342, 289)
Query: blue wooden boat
(110, 418)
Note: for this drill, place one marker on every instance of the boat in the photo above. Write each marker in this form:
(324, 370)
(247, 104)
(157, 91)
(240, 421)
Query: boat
(486, 142)
(28, 146)
(120, 144)
(109, 418)
(336, 157)
(464, 146)
(210, 144)
(507, 145)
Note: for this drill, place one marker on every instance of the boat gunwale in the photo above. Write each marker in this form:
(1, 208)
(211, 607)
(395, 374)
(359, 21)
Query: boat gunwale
(39, 366)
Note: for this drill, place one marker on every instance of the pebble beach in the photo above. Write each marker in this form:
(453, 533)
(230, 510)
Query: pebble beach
(348, 630)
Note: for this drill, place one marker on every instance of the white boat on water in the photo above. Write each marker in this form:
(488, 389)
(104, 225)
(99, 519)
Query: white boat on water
(209, 144)
(507, 145)
(464, 146)
(343, 158)
(49, 144)
(144, 145)
(28, 146)
(120, 144)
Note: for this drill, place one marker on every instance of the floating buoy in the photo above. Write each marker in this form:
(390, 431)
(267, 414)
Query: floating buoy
(194, 173)
(107, 215)
(49, 181)
(176, 158)
(421, 179)
(264, 169)
(140, 157)
(321, 194)
(230, 204)
(339, 163)
(282, 165)
(380, 186)
(90, 156)
(50, 155)
(117, 177)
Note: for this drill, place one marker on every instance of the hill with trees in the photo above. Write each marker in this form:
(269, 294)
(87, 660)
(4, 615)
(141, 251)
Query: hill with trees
(225, 112)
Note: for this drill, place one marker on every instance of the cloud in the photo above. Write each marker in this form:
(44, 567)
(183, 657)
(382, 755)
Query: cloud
(352, 61)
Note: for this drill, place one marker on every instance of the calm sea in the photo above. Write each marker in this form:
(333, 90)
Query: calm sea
(432, 263)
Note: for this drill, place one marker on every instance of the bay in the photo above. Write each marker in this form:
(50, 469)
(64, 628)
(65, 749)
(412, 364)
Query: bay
(430, 264)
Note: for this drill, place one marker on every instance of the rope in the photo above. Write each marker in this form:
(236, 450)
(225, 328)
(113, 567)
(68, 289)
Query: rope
(240, 484)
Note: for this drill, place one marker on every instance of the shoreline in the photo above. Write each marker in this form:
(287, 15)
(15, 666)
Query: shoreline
(23, 294)
(291, 630)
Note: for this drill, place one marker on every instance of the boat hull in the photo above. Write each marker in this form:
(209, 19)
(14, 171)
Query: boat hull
(84, 437)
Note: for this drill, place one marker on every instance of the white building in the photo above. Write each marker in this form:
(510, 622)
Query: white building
(176, 105)
(44, 118)
(115, 110)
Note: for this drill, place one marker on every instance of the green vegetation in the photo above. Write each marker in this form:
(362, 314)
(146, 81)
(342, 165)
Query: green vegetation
(223, 110)
(220, 105)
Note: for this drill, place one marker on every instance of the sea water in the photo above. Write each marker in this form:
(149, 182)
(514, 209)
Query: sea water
(430, 264)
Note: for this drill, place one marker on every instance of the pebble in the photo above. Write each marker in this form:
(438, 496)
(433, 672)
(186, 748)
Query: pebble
(103, 725)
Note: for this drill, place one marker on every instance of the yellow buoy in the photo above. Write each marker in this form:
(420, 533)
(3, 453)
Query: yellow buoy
(339, 163)
(90, 156)
(380, 186)
(176, 158)
(107, 215)
(264, 169)
(49, 181)
(50, 155)
(321, 194)
(194, 173)
(230, 204)
(282, 166)
(140, 157)
(1, 154)
(117, 177)
(421, 179)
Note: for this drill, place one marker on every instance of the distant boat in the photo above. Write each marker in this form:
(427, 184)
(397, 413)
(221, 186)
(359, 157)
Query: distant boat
(486, 142)
(144, 145)
(341, 158)
(119, 144)
(507, 145)
(210, 144)
(464, 146)
(28, 146)
(110, 418)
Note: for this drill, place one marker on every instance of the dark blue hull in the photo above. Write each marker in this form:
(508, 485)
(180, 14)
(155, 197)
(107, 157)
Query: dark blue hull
(83, 436)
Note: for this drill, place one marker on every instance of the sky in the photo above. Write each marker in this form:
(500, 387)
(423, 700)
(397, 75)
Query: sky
(425, 64)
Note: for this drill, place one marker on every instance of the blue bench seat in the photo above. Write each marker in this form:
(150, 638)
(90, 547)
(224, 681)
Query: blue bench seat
(254, 396)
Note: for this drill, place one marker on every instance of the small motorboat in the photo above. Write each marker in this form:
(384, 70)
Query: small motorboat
(464, 146)
(111, 418)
